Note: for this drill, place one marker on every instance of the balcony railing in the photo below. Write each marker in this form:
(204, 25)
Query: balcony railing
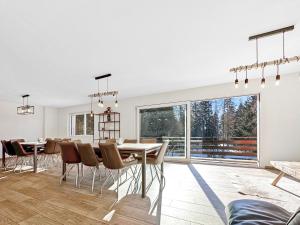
(244, 148)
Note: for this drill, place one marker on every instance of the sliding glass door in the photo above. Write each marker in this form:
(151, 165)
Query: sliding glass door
(224, 128)
(165, 123)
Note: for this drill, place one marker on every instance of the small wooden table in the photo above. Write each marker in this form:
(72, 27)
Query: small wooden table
(35, 146)
(285, 167)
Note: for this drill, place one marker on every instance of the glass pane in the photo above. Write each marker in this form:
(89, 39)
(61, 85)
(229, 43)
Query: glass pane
(79, 125)
(224, 128)
(165, 123)
(89, 124)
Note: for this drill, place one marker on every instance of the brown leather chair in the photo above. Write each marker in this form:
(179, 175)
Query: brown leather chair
(112, 160)
(70, 155)
(124, 156)
(8, 149)
(130, 141)
(148, 141)
(110, 141)
(90, 159)
(51, 151)
(22, 155)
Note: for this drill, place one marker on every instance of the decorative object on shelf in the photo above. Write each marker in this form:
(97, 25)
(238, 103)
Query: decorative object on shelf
(262, 65)
(25, 109)
(100, 95)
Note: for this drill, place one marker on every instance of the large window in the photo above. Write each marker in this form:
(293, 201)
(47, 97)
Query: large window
(81, 124)
(164, 123)
(224, 128)
(218, 128)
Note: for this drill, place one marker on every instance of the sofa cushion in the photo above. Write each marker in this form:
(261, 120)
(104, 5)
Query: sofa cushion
(295, 219)
(255, 212)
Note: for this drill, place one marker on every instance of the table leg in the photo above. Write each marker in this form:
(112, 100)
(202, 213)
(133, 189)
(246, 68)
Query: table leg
(3, 158)
(64, 167)
(144, 174)
(35, 159)
(162, 170)
(274, 183)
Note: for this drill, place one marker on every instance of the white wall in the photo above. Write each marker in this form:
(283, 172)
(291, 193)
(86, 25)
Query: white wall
(279, 113)
(44, 123)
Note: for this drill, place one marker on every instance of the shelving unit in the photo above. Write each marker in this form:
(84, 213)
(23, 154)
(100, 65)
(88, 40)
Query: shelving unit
(108, 126)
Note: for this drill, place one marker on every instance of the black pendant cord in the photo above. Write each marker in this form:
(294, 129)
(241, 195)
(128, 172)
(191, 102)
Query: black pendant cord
(283, 46)
(256, 40)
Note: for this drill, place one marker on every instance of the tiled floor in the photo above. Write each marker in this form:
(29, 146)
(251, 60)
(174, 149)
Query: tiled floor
(194, 194)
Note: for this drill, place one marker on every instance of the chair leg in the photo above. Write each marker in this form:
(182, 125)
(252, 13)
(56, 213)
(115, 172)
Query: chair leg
(93, 181)
(104, 183)
(16, 164)
(77, 176)
(118, 183)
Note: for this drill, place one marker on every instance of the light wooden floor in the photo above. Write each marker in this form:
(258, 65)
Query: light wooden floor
(194, 194)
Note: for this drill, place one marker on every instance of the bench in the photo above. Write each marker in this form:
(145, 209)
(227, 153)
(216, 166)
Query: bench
(285, 167)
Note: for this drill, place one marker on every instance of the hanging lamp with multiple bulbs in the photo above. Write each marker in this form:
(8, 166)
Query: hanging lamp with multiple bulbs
(100, 95)
(262, 65)
(25, 109)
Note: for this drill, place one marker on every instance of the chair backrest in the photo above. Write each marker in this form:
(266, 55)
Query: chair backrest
(50, 147)
(77, 141)
(111, 141)
(129, 141)
(161, 152)
(148, 140)
(8, 148)
(111, 156)
(69, 152)
(19, 149)
(87, 155)
(18, 140)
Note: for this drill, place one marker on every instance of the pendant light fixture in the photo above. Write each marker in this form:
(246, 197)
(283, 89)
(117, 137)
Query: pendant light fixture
(100, 95)
(25, 109)
(277, 62)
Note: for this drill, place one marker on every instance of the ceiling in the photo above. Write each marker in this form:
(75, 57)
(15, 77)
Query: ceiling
(52, 49)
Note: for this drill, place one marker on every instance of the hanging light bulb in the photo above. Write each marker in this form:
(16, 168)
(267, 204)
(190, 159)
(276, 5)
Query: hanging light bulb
(277, 82)
(92, 113)
(263, 80)
(116, 102)
(99, 102)
(246, 80)
(236, 82)
(263, 83)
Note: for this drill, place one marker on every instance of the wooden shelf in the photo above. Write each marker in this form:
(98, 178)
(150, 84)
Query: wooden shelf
(111, 127)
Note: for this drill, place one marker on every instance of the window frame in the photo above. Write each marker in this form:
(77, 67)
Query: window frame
(72, 132)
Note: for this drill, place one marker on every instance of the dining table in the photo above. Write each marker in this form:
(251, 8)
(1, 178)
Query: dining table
(35, 145)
